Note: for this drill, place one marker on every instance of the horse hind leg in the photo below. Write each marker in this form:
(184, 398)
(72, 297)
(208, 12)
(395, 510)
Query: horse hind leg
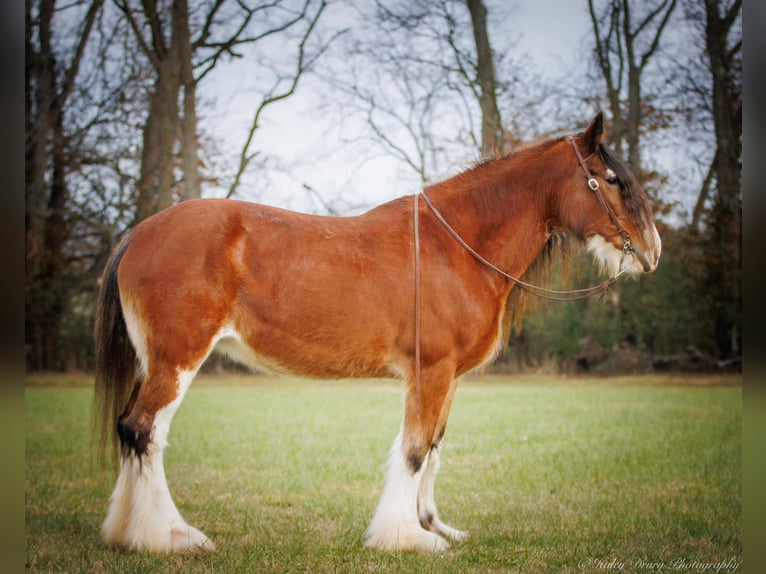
(142, 514)
(427, 513)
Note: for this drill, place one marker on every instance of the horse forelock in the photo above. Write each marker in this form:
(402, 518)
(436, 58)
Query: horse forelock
(632, 193)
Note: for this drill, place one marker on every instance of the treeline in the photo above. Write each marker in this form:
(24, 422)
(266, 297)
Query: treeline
(658, 323)
(121, 114)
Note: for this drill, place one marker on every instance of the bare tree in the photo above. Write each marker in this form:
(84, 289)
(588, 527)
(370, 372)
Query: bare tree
(723, 41)
(50, 81)
(176, 52)
(421, 75)
(625, 44)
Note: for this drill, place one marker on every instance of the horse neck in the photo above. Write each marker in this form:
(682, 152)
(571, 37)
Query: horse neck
(499, 210)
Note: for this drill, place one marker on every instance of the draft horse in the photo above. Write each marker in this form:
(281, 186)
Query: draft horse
(330, 297)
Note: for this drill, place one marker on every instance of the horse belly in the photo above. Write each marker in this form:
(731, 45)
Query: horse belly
(316, 327)
(331, 354)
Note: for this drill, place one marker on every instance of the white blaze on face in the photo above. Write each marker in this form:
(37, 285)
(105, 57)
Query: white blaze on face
(653, 240)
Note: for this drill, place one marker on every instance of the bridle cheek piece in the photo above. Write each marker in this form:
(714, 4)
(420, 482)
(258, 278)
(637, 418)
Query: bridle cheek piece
(595, 187)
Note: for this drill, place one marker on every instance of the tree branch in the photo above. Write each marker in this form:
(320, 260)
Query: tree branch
(699, 207)
(731, 14)
(74, 67)
(234, 40)
(272, 97)
(125, 9)
(655, 42)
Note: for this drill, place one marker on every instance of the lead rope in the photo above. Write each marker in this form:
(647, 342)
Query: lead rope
(416, 217)
(550, 294)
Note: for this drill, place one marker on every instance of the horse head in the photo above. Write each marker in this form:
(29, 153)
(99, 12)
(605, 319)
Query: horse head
(603, 204)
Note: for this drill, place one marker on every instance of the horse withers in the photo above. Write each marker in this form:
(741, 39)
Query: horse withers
(330, 297)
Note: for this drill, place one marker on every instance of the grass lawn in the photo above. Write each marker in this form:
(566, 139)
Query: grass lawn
(547, 475)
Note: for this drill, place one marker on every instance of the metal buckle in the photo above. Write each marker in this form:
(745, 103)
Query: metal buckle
(593, 184)
(627, 247)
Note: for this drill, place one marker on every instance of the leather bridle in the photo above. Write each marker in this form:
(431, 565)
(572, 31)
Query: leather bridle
(595, 187)
(627, 246)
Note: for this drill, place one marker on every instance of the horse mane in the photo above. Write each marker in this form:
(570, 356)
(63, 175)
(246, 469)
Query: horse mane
(560, 248)
(562, 251)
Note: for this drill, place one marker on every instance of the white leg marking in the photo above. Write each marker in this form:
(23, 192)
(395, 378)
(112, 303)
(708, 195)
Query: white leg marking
(136, 334)
(395, 525)
(429, 516)
(142, 515)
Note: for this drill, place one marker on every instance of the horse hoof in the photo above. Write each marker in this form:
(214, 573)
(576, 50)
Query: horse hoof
(409, 538)
(431, 544)
(189, 539)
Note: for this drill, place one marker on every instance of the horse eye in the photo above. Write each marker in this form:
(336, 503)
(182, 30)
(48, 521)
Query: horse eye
(612, 180)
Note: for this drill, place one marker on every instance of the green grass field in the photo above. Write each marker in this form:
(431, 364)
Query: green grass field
(547, 475)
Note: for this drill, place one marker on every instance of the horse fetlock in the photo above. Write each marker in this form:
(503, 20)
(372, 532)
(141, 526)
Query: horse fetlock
(430, 521)
(415, 452)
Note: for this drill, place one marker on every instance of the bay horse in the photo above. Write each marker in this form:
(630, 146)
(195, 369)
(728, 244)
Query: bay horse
(331, 297)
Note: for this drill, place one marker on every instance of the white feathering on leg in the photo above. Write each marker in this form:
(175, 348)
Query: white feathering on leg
(395, 525)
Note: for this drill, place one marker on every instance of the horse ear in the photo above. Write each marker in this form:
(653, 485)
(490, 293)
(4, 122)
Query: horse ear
(594, 133)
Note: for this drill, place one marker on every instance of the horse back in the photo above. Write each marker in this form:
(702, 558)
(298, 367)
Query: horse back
(293, 288)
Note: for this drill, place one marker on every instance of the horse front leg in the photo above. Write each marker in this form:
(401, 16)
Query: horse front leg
(396, 524)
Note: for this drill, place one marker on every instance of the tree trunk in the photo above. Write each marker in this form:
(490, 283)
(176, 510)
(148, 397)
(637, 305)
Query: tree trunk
(164, 126)
(41, 89)
(157, 182)
(492, 137)
(633, 123)
(50, 281)
(725, 247)
(40, 95)
(46, 194)
(188, 135)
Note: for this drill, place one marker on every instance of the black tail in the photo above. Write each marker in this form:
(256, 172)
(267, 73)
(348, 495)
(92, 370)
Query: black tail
(115, 356)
